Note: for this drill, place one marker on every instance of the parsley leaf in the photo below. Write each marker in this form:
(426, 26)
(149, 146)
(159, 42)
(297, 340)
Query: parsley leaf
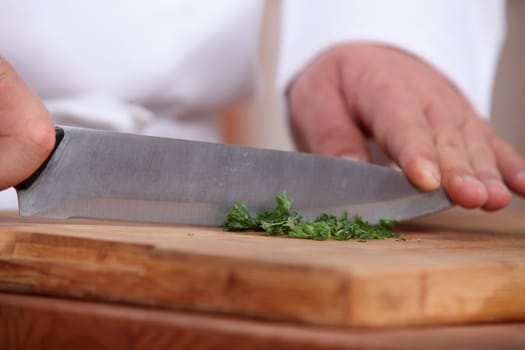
(281, 219)
(284, 220)
(239, 219)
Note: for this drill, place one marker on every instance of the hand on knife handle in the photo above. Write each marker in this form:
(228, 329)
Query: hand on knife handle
(27, 134)
(413, 112)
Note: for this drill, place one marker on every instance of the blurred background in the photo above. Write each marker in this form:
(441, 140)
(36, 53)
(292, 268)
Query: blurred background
(261, 122)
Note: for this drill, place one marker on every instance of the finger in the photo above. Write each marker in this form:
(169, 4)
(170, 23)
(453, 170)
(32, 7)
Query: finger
(323, 123)
(405, 135)
(459, 178)
(510, 163)
(408, 144)
(466, 153)
(484, 165)
(26, 130)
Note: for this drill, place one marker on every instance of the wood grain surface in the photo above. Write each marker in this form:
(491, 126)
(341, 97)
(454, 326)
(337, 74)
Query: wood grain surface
(437, 276)
(36, 323)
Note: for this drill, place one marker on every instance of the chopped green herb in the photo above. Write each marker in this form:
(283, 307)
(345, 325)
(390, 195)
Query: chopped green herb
(239, 219)
(281, 219)
(284, 220)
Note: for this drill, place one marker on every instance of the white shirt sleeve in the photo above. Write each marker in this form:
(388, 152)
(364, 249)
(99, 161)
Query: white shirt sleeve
(462, 39)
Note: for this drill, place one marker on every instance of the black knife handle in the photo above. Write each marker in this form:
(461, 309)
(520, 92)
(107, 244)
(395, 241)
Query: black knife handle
(24, 185)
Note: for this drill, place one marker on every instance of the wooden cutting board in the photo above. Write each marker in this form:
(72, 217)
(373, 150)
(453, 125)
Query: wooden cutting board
(439, 275)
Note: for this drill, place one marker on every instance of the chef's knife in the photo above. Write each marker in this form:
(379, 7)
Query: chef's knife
(109, 175)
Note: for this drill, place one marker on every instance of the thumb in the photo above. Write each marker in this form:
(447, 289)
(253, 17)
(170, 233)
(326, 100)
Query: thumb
(27, 135)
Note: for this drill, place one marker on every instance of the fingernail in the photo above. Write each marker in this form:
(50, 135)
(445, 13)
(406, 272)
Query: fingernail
(500, 186)
(431, 175)
(469, 178)
(353, 157)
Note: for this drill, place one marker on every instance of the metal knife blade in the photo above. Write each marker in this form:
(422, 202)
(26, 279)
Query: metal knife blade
(102, 174)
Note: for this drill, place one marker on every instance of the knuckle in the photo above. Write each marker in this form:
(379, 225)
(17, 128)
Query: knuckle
(488, 175)
(478, 147)
(399, 136)
(42, 138)
(336, 140)
(447, 140)
(411, 151)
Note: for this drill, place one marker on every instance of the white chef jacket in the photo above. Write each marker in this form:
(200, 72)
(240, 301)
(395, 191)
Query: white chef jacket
(168, 67)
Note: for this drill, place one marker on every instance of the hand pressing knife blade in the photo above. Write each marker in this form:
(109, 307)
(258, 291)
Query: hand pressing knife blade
(100, 174)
